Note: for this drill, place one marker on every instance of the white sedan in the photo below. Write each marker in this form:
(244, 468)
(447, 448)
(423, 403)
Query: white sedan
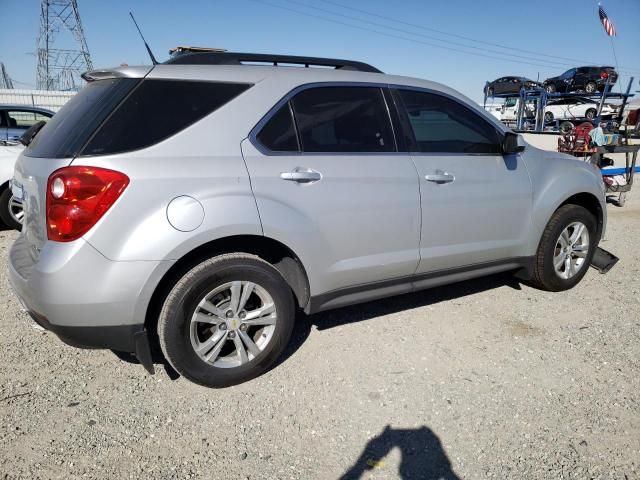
(11, 211)
(575, 108)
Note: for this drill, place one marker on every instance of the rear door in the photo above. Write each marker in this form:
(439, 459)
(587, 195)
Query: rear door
(476, 203)
(337, 192)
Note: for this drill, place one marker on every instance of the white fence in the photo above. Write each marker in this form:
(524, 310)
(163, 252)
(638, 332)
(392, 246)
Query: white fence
(49, 99)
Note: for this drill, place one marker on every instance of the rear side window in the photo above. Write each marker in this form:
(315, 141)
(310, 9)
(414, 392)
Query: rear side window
(279, 133)
(69, 129)
(343, 119)
(440, 124)
(158, 109)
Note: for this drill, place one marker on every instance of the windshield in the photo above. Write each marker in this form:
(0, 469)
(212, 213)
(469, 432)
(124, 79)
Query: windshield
(568, 74)
(68, 130)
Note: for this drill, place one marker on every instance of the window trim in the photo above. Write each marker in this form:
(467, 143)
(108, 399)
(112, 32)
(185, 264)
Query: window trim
(408, 133)
(253, 134)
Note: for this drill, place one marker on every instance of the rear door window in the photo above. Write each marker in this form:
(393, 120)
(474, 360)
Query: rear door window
(279, 133)
(343, 119)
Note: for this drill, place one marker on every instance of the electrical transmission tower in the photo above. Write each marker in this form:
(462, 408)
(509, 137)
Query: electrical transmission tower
(61, 60)
(5, 79)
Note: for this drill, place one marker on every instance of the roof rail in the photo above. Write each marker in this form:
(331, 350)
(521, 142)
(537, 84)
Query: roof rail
(235, 58)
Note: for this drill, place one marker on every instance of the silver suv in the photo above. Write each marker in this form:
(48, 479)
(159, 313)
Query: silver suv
(199, 203)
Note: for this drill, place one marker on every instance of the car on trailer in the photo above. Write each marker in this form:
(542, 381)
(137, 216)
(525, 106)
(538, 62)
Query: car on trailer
(509, 85)
(582, 79)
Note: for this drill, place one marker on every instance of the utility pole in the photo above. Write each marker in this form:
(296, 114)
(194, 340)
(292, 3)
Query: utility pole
(59, 68)
(5, 79)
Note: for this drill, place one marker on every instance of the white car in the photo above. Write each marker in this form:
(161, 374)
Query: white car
(11, 212)
(571, 108)
(575, 108)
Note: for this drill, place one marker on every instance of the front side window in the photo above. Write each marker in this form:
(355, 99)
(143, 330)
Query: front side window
(343, 119)
(24, 118)
(568, 74)
(443, 125)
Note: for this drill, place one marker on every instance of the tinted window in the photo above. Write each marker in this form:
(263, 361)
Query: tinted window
(279, 134)
(343, 119)
(440, 124)
(158, 109)
(68, 130)
(568, 74)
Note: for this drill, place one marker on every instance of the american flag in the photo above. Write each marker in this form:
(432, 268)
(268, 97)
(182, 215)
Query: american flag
(606, 23)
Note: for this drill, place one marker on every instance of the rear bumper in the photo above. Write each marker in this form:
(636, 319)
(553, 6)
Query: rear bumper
(86, 299)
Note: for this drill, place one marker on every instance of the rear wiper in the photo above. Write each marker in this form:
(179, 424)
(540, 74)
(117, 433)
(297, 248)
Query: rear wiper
(32, 131)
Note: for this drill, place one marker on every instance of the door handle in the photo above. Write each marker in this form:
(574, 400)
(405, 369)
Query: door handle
(301, 175)
(440, 178)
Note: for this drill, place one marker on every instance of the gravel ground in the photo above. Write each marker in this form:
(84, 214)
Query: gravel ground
(484, 379)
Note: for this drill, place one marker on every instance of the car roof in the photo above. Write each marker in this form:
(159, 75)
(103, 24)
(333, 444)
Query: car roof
(29, 108)
(286, 77)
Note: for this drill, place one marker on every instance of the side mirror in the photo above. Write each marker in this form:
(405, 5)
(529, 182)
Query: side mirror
(510, 144)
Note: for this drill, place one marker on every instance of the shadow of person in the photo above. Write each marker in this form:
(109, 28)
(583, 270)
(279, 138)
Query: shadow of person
(422, 455)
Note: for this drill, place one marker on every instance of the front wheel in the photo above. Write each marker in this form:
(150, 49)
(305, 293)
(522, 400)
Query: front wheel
(591, 87)
(591, 113)
(11, 210)
(227, 320)
(566, 249)
(551, 88)
(548, 117)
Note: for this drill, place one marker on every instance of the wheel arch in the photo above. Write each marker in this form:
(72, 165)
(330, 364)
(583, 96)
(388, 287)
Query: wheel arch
(592, 204)
(270, 250)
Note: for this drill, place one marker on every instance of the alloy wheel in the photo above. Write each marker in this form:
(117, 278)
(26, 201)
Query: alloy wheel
(571, 250)
(233, 324)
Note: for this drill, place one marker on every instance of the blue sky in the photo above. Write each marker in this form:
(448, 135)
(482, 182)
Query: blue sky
(567, 28)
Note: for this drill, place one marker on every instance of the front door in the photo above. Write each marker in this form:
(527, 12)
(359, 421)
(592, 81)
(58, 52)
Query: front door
(330, 184)
(476, 203)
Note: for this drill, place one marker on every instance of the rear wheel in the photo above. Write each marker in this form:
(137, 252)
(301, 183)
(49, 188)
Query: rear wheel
(11, 211)
(591, 113)
(548, 117)
(591, 87)
(551, 88)
(566, 249)
(227, 320)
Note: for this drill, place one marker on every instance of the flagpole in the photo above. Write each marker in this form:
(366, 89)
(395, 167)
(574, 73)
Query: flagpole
(613, 49)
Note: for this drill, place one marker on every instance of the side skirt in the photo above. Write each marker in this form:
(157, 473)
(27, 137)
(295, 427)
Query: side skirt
(398, 286)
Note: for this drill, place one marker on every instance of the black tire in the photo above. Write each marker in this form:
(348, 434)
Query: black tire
(175, 318)
(5, 214)
(591, 87)
(548, 117)
(544, 274)
(551, 88)
(591, 113)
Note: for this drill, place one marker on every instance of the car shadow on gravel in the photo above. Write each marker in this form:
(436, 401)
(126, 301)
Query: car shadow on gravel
(422, 455)
(366, 311)
(358, 313)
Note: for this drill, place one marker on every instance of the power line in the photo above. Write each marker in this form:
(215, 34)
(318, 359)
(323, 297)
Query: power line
(462, 37)
(327, 19)
(377, 24)
(539, 62)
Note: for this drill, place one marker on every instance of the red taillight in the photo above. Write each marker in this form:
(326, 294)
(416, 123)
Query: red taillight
(77, 197)
(604, 75)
